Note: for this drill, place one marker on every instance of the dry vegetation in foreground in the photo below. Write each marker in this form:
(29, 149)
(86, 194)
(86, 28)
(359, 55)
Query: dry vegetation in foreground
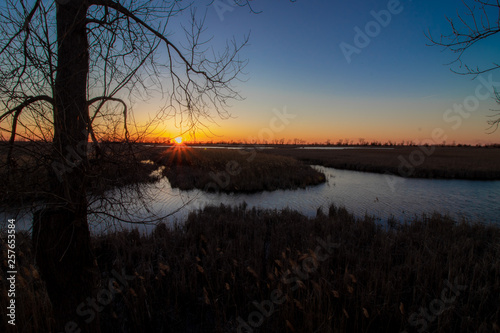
(203, 276)
(235, 170)
(477, 163)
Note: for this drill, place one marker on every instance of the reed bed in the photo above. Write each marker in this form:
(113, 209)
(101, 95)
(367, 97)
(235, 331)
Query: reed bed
(475, 163)
(26, 180)
(225, 267)
(226, 170)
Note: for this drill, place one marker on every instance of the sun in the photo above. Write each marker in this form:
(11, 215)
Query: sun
(178, 140)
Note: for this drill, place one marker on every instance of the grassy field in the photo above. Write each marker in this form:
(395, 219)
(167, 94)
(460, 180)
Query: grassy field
(241, 270)
(234, 170)
(426, 162)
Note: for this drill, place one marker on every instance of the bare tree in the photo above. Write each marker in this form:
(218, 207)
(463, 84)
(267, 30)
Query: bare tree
(70, 71)
(480, 21)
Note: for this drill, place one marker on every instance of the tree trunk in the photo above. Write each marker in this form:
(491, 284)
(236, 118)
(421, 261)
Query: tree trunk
(66, 262)
(60, 231)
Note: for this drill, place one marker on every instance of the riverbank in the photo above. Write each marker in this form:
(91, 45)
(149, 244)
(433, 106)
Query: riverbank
(243, 270)
(473, 163)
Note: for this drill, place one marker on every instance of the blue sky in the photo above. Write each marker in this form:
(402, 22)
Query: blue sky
(396, 88)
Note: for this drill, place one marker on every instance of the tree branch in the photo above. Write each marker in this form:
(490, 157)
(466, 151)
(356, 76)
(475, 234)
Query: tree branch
(472, 28)
(118, 7)
(25, 27)
(104, 99)
(17, 112)
(27, 102)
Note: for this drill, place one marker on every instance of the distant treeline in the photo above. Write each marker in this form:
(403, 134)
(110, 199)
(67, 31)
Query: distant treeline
(294, 142)
(328, 143)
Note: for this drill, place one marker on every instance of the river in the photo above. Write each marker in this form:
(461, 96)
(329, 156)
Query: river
(360, 192)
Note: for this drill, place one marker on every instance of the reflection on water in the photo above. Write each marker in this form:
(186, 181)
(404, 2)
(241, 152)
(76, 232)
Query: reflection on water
(343, 148)
(240, 147)
(360, 192)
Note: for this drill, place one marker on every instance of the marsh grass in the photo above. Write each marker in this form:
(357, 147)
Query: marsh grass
(26, 180)
(225, 170)
(476, 163)
(202, 276)
(33, 309)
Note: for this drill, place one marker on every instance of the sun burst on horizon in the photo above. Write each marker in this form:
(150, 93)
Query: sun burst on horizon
(178, 140)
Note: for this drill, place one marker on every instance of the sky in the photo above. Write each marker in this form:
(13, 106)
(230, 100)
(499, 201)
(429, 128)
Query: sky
(308, 77)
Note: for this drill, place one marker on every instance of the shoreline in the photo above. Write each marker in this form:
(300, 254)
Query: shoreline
(468, 163)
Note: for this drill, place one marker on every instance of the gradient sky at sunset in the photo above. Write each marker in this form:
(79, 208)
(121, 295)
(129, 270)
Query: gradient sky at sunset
(396, 88)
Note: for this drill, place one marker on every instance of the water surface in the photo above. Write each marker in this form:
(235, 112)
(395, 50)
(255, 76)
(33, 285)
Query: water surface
(360, 192)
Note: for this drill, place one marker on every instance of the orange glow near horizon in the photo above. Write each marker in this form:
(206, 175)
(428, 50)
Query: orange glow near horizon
(332, 130)
(319, 135)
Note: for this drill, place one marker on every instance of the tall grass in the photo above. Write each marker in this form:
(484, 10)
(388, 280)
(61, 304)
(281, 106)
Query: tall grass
(427, 162)
(206, 274)
(225, 170)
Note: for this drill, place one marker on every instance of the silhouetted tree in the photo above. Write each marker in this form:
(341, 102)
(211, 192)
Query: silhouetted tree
(69, 72)
(480, 21)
